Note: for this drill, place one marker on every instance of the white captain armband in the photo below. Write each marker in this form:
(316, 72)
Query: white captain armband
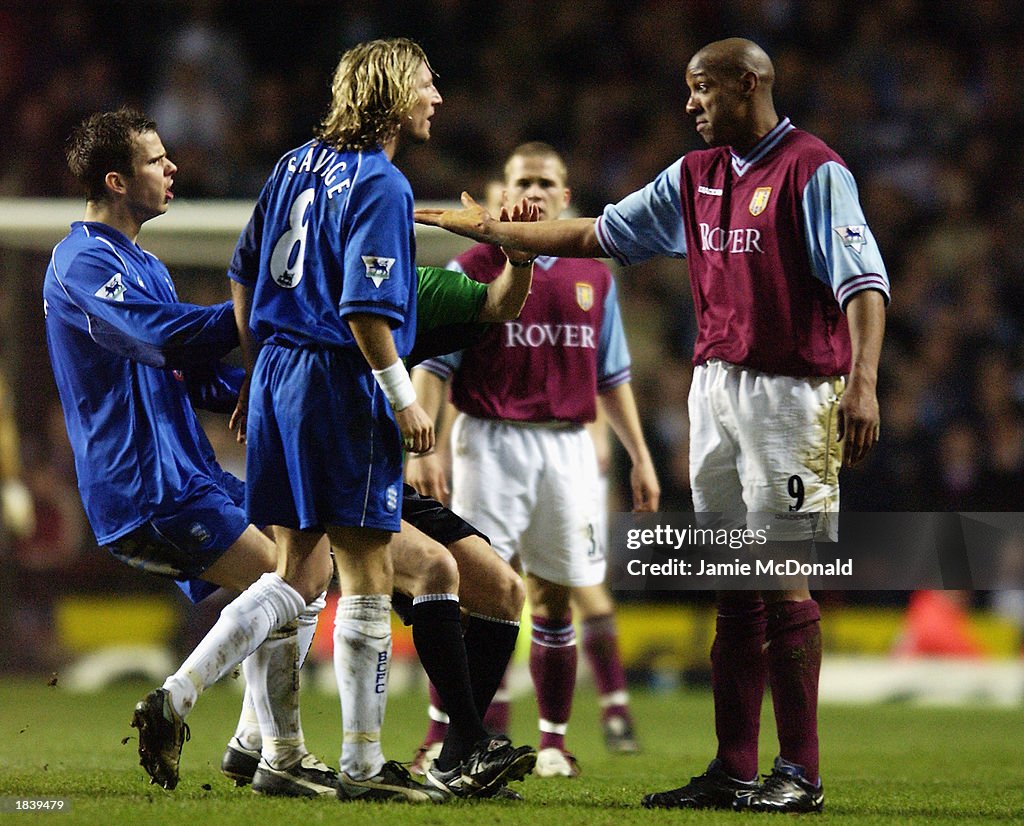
(397, 385)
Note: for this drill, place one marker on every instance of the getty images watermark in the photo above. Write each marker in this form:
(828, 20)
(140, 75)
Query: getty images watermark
(876, 551)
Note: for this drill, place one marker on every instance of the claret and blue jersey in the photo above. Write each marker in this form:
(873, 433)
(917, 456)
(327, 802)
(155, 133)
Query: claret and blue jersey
(776, 243)
(566, 346)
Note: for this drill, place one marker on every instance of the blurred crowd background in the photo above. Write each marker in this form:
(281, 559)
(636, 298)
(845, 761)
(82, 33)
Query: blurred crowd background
(923, 101)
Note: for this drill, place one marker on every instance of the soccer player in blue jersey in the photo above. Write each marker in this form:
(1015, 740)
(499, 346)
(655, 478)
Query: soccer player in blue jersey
(131, 361)
(324, 285)
(790, 290)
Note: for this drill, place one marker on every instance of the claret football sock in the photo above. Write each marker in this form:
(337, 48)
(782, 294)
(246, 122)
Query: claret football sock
(438, 726)
(601, 648)
(794, 664)
(738, 673)
(553, 669)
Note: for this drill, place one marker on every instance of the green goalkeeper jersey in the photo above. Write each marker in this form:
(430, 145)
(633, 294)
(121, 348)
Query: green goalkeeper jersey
(448, 304)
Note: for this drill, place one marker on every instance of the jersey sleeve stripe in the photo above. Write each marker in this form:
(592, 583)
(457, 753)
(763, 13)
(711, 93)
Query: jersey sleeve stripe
(375, 307)
(869, 281)
(437, 367)
(607, 244)
(605, 383)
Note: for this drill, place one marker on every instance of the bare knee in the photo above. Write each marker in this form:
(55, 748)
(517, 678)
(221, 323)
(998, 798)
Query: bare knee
(488, 585)
(306, 565)
(589, 601)
(548, 599)
(442, 573)
(500, 594)
(509, 595)
(313, 578)
(435, 573)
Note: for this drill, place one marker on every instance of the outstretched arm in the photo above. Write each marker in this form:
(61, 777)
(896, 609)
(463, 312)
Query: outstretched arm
(571, 238)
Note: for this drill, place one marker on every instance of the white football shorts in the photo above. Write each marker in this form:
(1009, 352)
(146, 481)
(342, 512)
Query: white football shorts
(533, 489)
(763, 451)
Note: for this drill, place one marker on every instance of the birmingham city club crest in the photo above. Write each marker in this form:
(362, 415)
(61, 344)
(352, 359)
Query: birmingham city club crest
(584, 295)
(760, 200)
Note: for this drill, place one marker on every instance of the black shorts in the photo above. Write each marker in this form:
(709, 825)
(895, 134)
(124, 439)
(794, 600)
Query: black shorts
(439, 523)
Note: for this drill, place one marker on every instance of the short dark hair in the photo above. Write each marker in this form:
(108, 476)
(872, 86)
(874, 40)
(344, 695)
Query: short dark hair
(538, 149)
(103, 143)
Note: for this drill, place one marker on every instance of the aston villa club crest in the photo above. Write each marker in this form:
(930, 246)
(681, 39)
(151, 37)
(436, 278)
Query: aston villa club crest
(759, 202)
(584, 295)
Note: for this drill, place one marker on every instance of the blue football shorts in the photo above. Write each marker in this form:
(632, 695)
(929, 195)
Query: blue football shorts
(184, 544)
(322, 445)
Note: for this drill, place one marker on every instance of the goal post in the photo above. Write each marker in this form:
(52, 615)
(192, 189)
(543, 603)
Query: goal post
(198, 233)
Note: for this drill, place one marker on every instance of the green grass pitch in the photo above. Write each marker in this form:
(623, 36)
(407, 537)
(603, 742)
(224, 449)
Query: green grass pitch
(881, 764)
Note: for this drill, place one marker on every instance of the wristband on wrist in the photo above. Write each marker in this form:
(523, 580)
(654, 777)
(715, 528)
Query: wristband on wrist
(524, 263)
(397, 385)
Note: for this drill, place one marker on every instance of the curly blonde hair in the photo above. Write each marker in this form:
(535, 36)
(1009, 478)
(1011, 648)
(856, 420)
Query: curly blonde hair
(373, 88)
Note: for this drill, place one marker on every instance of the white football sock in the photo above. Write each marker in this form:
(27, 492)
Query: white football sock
(272, 675)
(248, 730)
(243, 624)
(362, 655)
(272, 657)
(307, 625)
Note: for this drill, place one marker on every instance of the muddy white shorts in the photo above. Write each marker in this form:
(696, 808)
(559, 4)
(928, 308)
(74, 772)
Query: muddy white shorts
(533, 489)
(763, 450)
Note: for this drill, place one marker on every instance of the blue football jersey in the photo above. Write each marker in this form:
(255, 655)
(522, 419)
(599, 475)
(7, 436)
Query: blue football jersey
(332, 234)
(122, 347)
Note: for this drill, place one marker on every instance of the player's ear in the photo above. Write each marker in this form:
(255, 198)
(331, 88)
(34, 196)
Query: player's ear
(749, 82)
(115, 182)
(566, 197)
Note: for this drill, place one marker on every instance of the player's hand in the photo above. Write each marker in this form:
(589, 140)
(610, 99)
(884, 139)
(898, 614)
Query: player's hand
(427, 475)
(646, 490)
(522, 211)
(858, 421)
(240, 415)
(416, 427)
(473, 221)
